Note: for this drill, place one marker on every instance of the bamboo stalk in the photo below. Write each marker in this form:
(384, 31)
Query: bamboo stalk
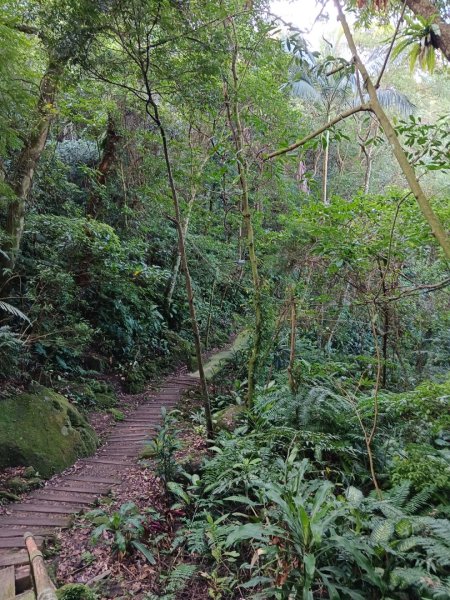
(45, 589)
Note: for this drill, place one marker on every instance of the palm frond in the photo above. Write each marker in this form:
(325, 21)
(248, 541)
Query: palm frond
(9, 308)
(304, 89)
(394, 100)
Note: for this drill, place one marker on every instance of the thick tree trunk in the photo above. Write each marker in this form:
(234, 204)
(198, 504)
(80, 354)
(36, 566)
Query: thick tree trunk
(105, 166)
(21, 178)
(427, 9)
(389, 131)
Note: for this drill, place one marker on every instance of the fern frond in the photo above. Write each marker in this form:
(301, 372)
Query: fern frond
(418, 501)
(179, 577)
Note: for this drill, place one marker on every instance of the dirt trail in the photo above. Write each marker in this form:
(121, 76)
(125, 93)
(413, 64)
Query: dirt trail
(50, 508)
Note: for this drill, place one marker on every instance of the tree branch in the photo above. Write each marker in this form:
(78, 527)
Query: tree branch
(341, 117)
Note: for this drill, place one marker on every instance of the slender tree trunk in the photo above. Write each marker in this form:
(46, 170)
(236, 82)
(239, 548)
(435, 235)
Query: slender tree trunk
(238, 137)
(293, 384)
(22, 175)
(183, 258)
(176, 268)
(368, 173)
(105, 166)
(192, 197)
(208, 323)
(326, 157)
(408, 171)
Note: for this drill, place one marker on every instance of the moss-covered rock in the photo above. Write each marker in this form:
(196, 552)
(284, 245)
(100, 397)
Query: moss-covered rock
(230, 417)
(43, 430)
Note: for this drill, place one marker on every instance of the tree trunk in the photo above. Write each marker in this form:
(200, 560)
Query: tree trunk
(21, 178)
(293, 384)
(325, 170)
(242, 166)
(426, 8)
(368, 173)
(106, 164)
(183, 257)
(408, 171)
(176, 268)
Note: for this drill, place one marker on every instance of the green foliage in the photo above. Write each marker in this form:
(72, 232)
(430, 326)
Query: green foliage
(424, 467)
(176, 582)
(75, 591)
(126, 529)
(163, 447)
(421, 34)
(11, 352)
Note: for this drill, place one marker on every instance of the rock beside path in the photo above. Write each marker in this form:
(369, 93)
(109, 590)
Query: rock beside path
(43, 430)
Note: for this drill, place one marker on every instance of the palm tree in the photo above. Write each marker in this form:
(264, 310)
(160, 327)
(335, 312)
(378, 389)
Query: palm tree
(330, 88)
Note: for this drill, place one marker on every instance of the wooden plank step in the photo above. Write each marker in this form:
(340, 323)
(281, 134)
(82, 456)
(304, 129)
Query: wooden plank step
(118, 451)
(134, 427)
(10, 558)
(116, 455)
(144, 421)
(139, 427)
(104, 461)
(7, 583)
(98, 490)
(6, 532)
(131, 437)
(61, 497)
(79, 490)
(151, 418)
(48, 508)
(130, 445)
(93, 479)
(148, 414)
(34, 521)
(16, 542)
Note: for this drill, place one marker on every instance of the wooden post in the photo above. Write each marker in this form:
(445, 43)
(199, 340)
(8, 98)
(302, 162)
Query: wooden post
(44, 587)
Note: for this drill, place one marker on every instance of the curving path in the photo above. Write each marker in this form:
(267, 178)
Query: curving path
(44, 511)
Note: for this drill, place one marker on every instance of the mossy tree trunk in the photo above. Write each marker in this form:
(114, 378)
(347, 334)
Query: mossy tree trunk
(105, 166)
(234, 118)
(21, 178)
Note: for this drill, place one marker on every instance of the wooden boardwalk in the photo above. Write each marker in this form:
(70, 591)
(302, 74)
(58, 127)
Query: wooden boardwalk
(48, 509)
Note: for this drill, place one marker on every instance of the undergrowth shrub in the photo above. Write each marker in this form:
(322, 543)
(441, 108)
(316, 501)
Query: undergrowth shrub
(83, 280)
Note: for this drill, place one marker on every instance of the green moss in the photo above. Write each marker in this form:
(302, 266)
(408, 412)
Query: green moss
(92, 394)
(75, 591)
(105, 401)
(41, 429)
(117, 414)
